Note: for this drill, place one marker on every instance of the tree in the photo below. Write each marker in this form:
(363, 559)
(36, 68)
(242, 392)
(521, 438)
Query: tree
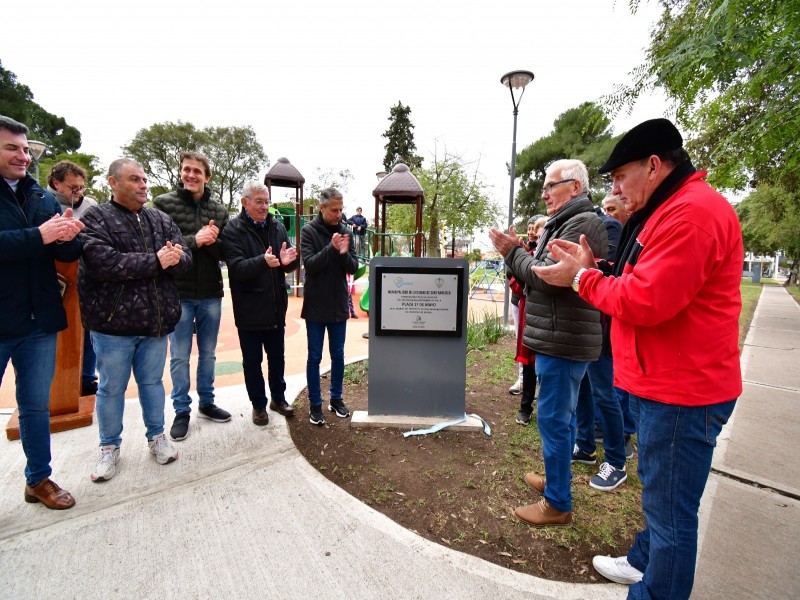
(582, 133)
(16, 101)
(770, 218)
(325, 178)
(400, 146)
(731, 68)
(234, 152)
(456, 202)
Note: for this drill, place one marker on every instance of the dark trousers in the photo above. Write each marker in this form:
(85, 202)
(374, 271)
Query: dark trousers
(528, 387)
(251, 343)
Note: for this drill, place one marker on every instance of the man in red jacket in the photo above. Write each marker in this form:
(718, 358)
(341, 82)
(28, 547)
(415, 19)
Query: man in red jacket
(673, 295)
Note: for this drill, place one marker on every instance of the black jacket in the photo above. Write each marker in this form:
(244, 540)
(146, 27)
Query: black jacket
(258, 291)
(29, 291)
(204, 279)
(557, 321)
(123, 289)
(325, 289)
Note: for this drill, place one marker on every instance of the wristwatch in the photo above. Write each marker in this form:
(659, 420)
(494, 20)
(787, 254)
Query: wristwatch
(576, 281)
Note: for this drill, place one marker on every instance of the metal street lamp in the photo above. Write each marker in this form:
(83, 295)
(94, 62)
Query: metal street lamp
(37, 149)
(514, 80)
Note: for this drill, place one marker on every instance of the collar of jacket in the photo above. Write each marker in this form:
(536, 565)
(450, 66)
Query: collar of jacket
(320, 223)
(186, 195)
(252, 222)
(577, 205)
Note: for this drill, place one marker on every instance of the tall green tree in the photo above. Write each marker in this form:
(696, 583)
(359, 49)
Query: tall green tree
(400, 146)
(732, 68)
(583, 133)
(770, 218)
(456, 203)
(235, 154)
(16, 101)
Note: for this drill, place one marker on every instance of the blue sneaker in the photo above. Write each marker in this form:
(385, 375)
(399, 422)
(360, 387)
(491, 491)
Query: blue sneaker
(608, 478)
(628, 447)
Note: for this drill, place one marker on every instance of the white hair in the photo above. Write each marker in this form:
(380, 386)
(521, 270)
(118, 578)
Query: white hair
(251, 187)
(572, 169)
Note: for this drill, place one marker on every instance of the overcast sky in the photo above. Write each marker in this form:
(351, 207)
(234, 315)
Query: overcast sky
(316, 79)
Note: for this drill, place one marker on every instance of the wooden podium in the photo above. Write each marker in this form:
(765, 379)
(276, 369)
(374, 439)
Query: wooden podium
(68, 409)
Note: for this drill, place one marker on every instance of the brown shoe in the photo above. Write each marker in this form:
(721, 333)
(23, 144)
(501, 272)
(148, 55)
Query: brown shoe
(48, 493)
(260, 417)
(542, 514)
(282, 407)
(535, 481)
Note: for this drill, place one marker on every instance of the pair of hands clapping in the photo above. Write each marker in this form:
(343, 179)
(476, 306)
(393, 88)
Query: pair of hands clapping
(170, 255)
(60, 228)
(341, 241)
(286, 256)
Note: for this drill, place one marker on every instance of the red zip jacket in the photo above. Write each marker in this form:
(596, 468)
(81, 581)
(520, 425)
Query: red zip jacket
(675, 313)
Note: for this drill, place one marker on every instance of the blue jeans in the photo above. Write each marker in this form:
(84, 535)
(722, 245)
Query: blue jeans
(597, 395)
(676, 444)
(559, 380)
(88, 371)
(251, 342)
(116, 356)
(315, 333)
(34, 360)
(208, 314)
(623, 398)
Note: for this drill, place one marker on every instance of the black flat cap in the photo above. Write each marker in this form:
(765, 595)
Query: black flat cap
(651, 137)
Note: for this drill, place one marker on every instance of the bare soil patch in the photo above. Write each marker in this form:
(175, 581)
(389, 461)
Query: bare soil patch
(460, 489)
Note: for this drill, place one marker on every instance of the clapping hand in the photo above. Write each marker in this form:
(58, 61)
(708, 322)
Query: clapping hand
(272, 260)
(170, 255)
(288, 255)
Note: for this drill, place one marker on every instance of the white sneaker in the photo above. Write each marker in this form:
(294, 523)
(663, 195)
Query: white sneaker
(617, 569)
(164, 451)
(516, 389)
(106, 467)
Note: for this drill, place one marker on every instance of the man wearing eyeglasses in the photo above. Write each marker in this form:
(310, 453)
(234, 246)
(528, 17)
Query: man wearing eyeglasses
(67, 181)
(200, 219)
(562, 329)
(258, 253)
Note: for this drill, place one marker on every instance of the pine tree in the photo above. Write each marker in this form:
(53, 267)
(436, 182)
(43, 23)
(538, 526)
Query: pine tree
(400, 147)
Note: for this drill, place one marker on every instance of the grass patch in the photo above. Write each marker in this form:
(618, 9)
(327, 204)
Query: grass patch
(750, 295)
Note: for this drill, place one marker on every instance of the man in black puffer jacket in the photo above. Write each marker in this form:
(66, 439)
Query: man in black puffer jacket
(258, 254)
(329, 254)
(200, 219)
(562, 329)
(130, 302)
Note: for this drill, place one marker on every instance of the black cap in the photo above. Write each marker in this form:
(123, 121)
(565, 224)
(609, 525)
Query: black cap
(651, 137)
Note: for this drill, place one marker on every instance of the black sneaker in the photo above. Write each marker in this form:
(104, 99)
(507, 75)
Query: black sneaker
(89, 387)
(579, 456)
(214, 413)
(338, 407)
(628, 447)
(282, 407)
(180, 427)
(523, 418)
(316, 417)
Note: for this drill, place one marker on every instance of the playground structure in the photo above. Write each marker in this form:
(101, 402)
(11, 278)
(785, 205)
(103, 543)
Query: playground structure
(487, 280)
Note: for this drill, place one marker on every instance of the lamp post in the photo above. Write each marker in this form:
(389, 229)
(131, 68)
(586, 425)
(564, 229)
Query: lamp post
(514, 80)
(37, 149)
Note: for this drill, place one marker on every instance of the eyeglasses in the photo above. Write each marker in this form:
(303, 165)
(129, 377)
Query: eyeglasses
(260, 203)
(76, 188)
(549, 187)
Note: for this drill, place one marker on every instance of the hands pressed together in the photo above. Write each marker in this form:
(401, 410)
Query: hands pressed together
(341, 241)
(60, 228)
(170, 255)
(207, 234)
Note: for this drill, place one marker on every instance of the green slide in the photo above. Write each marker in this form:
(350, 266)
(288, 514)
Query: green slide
(364, 303)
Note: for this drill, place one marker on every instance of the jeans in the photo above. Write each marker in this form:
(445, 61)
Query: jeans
(623, 398)
(597, 393)
(251, 343)
(676, 444)
(116, 356)
(34, 360)
(88, 371)
(559, 380)
(315, 333)
(207, 313)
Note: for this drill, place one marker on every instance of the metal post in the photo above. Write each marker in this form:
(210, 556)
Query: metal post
(507, 295)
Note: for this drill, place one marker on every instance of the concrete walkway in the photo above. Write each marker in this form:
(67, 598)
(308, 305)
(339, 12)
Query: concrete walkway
(242, 514)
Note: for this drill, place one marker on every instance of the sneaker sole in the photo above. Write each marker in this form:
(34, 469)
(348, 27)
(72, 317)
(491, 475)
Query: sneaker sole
(523, 423)
(337, 413)
(202, 416)
(585, 462)
(101, 479)
(319, 423)
(515, 393)
(616, 578)
(608, 488)
(178, 439)
(169, 460)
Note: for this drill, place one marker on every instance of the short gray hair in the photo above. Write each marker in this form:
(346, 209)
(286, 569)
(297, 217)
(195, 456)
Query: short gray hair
(534, 218)
(252, 186)
(613, 198)
(13, 126)
(572, 169)
(115, 167)
(329, 194)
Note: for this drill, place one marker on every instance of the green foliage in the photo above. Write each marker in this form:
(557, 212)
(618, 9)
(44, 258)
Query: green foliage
(325, 178)
(16, 101)
(483, 330)
(234, 152)
(400, 146)
(770, 218)
(356, 373)
(474, 255)
(732, 69)
(97, 187)
(582, 132)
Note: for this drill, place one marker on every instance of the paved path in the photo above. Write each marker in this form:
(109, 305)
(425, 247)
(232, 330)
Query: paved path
(242, 515)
